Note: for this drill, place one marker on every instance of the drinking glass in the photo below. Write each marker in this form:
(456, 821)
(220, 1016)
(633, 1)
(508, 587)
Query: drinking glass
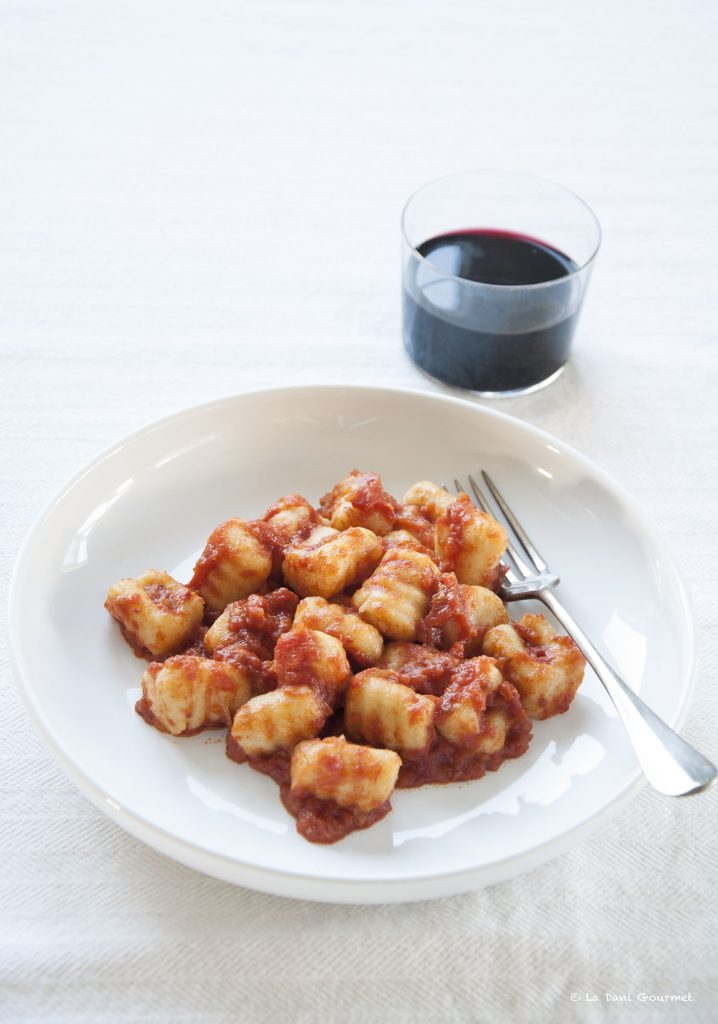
(495, 266)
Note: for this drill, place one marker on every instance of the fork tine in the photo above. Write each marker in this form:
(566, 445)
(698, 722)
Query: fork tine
(521, 535)
(522, 567)
(478, 496)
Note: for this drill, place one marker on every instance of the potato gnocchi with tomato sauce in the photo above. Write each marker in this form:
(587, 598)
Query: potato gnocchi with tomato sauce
(350, 648)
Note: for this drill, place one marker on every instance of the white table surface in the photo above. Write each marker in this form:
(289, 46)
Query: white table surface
(200, 198)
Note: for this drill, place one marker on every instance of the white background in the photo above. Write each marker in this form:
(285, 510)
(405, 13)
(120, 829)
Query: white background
(199, 198)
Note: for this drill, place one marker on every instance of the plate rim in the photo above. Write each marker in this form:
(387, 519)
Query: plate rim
(260, 877)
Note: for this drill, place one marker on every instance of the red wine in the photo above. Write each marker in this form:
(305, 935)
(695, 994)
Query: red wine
(489, 339)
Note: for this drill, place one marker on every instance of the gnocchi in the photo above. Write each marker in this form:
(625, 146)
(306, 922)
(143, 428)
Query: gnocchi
(278, 720)
(187, 693)
(348, 774)
(383, 712)
(157, 614)
(360, 500)
(329, 560)
(308, 657)
(234, 564)
(463, 614)
(470, 543)
(397, 594)
(256, 622)
(463, 718)
(362, 642)
(288, 521)
(546, 669)
(350, 649)
(404, 539)
(429, 500)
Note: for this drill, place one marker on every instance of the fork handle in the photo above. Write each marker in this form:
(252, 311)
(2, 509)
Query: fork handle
(671, 765)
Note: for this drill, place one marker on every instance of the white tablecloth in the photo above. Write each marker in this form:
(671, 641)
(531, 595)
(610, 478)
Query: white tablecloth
(199, 198)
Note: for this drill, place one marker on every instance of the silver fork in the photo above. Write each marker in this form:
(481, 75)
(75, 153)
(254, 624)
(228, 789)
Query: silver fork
(670, 764)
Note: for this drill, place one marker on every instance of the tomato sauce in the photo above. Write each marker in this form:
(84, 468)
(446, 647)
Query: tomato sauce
(287, 522)
(215, 551)
(443, 761)
(319, 821)
(257, 621)
(410, 518)
(365, 493)
(324, 821)
(260, 642)
(424, 669)
(447, 605)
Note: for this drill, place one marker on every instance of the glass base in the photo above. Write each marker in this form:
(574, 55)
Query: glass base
(472, 393)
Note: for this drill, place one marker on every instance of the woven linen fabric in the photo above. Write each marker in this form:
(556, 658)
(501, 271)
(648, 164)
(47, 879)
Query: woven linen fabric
(197, 199)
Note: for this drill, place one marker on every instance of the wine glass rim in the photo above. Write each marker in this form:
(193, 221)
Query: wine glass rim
(503, 288)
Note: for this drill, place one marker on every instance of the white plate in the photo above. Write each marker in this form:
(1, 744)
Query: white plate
(153, 499)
